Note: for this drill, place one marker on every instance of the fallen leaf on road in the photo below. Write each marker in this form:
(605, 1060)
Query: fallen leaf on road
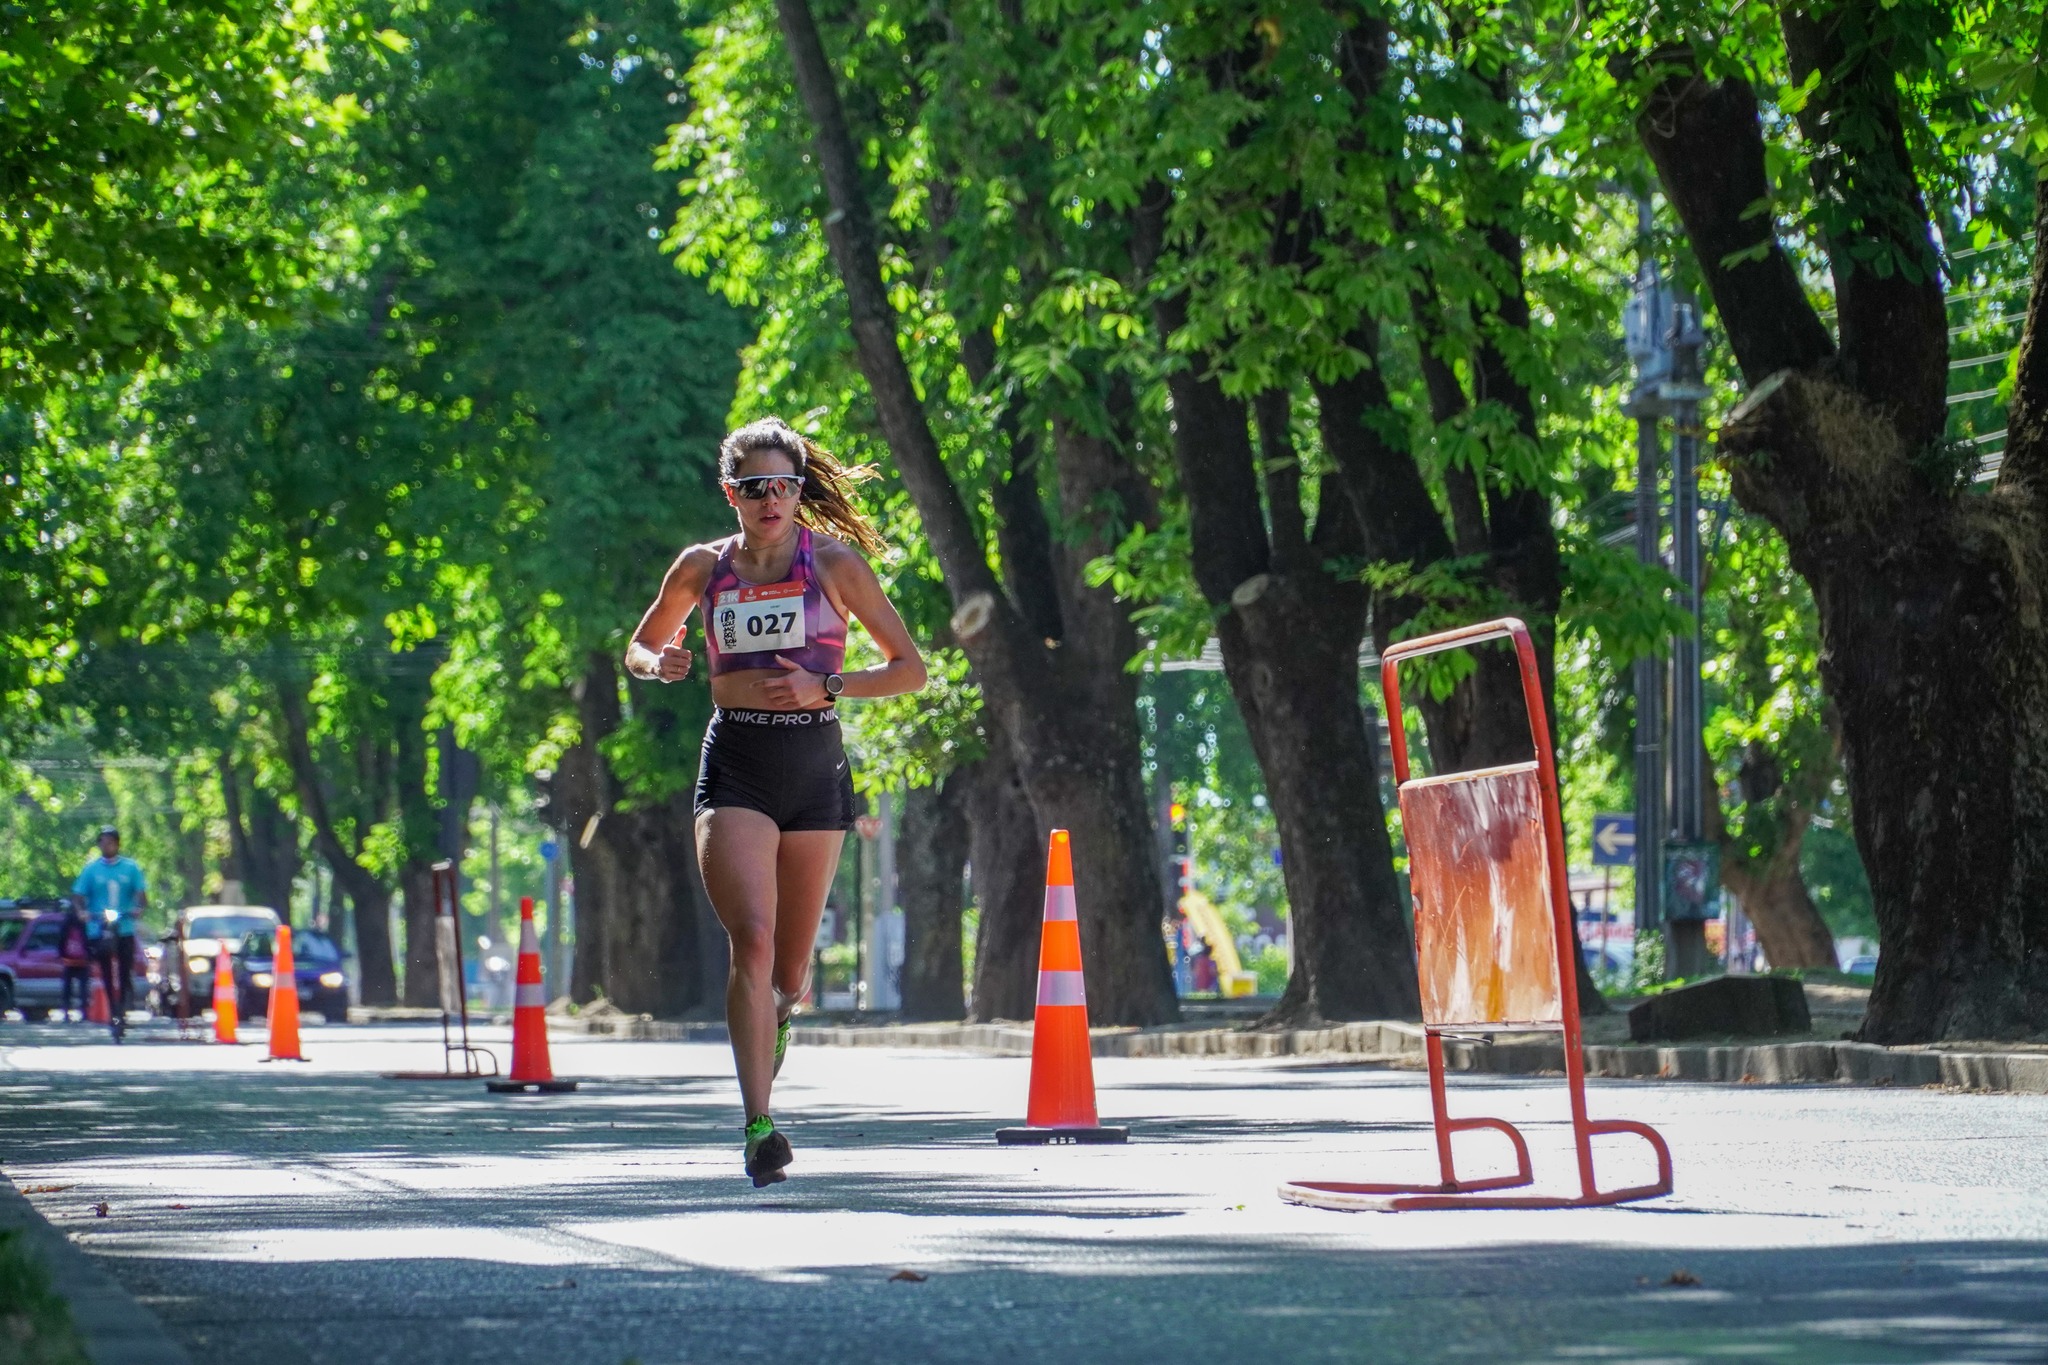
(908, 1277)
(1683, 1277)
(99, 1210)
(181, 1206)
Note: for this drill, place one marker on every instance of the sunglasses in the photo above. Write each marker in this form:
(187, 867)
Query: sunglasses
(755, 487)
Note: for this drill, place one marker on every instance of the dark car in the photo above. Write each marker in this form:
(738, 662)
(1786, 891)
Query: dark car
(32, 969)
(317, 963)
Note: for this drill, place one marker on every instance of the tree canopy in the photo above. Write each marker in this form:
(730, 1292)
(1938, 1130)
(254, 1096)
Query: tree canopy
(362, 366)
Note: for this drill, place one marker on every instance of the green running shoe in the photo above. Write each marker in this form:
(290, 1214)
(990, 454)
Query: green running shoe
(767, 1152)
(781, 1044)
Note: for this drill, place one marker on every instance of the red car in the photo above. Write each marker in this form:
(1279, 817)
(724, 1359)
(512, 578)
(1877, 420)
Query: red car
(32, 972)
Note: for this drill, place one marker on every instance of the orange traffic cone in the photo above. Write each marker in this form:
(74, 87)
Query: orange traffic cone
(284, 1001)
(1062, 1104)
(225, 1010)
(96, 1010)
(531, 1069)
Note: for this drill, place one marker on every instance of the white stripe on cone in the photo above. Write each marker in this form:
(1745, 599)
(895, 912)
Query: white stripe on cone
(1061, 988)
(1059, 903)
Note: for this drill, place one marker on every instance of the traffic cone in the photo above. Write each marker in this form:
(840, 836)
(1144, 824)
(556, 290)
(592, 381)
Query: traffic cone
(1062, 1103)
(284, 1001)
(531, 1069)
(96, 1009)
(225, 1010)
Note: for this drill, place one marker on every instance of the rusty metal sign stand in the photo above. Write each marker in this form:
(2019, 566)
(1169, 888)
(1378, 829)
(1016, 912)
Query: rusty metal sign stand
(454, 999)
(1493, 939)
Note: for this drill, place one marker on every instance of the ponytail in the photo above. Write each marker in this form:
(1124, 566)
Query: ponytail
(827, 501)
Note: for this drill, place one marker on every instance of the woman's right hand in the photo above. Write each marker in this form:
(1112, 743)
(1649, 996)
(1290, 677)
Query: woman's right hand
(673, 663)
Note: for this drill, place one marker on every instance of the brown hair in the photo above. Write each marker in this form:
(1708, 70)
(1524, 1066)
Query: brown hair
(827, 500)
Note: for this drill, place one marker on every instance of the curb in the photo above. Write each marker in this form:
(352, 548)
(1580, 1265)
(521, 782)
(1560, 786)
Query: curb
(115, 1329)
(1396, 1043)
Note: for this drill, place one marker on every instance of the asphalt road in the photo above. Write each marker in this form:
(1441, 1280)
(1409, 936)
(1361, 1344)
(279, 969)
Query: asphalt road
(272, 1214)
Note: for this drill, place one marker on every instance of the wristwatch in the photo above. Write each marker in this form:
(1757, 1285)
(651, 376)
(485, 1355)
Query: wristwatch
(834, 684)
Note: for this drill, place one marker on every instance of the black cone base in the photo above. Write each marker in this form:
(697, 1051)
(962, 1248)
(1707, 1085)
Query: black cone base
(529, 1087)
(1052, 1137)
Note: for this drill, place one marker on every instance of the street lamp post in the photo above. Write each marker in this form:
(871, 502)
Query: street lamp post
(1691, 861)
(1647, 329)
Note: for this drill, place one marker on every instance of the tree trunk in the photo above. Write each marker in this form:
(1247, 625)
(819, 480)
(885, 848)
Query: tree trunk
(650, 923)
(640, 903)
(1933, 652)
(1760, 863)
(1775, 899)
(1007, 857)
(1065, 708)
(263, 841)
(1290, 629)
(931, 858)
(419, 829)
(369, 899)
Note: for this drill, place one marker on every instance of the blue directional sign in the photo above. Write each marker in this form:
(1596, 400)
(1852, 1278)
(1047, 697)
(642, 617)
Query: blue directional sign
(550, 850)
(1614, 840)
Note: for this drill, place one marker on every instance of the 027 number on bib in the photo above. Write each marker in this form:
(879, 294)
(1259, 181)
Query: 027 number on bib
(756, 620)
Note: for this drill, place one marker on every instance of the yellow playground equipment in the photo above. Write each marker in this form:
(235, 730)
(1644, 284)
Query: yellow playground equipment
(1232, 980)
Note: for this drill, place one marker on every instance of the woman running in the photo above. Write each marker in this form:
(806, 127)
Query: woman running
(774, 793)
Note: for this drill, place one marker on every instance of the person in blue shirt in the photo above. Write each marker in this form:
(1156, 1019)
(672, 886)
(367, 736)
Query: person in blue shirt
(111, 890)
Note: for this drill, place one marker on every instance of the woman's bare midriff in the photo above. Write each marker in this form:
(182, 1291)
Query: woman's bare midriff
(741, 691)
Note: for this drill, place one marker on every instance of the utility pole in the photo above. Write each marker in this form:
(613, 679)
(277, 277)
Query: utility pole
(1646, 325)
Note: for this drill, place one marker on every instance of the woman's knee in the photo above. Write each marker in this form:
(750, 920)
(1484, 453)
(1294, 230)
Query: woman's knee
(753, 948)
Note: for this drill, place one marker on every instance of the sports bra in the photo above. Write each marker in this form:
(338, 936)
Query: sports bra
(748, 624)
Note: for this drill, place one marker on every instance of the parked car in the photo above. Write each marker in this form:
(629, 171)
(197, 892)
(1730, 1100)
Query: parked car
(317, 964)
(199, 933)
(31, 969)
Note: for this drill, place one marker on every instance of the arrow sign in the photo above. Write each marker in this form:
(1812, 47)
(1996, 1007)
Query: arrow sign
(1614, 840)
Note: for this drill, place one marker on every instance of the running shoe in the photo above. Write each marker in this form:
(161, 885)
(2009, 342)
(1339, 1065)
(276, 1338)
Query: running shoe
(781, 1044)
(767, 1152)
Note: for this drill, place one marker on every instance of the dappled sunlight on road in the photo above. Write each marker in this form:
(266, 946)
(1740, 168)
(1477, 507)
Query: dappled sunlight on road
(1809, 1223)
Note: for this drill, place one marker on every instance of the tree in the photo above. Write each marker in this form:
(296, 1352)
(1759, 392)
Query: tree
(1932, 653)
(135, 145)
(1059, 693)
(1771, 741)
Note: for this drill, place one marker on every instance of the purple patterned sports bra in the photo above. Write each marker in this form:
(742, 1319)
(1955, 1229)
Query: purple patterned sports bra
(748, 624)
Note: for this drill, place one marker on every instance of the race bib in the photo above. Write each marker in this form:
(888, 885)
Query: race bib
(758, 620)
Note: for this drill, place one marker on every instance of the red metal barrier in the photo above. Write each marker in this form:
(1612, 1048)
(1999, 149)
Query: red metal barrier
(1493, 939)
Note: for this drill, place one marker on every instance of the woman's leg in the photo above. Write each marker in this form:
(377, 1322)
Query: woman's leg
(803, 875)
(736, 848)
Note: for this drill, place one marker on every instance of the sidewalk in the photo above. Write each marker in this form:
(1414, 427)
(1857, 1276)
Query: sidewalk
(1398, 1044)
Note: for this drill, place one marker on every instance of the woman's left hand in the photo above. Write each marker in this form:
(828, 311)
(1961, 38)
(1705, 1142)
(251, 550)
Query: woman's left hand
(798, 689)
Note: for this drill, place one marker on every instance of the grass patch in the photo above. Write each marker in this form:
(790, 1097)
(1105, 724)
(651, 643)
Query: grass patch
(35, 1324)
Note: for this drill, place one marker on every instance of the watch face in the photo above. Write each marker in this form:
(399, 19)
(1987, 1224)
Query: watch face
(834, 684)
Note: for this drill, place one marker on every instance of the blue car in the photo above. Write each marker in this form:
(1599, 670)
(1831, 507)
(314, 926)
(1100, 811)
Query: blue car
(318, 964)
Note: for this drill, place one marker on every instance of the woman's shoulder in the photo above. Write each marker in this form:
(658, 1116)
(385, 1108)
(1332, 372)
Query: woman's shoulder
(694, 567)
(705, 554)
(830, 552)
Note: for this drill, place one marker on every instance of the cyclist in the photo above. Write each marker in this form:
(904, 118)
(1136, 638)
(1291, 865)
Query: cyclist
(110, 890)
(774, 793)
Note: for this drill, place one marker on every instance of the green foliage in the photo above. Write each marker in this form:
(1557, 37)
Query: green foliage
(35, 1322)
(1196, 741)
(1835, 878)
(1270, 962)
(140, 141)
(918, 739)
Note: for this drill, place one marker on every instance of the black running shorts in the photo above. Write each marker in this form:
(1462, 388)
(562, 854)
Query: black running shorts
(789, 765)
